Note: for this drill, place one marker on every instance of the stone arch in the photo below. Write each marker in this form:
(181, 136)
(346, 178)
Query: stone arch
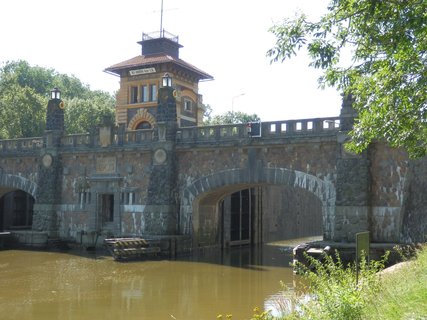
(324, 190)
(142, 115)
(13, 182)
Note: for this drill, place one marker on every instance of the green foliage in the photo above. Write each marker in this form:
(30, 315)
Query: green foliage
(22, 112)
(25, 90)
(230, 118)
(261, 315)
(387, 73)
(336, 291)
(83, 115)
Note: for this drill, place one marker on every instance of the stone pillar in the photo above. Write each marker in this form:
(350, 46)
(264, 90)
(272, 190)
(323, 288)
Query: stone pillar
(161, 209)
(352, 206)
(48, 195)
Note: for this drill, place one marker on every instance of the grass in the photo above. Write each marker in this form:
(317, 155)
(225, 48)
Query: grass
(404, 291)
(398, 293)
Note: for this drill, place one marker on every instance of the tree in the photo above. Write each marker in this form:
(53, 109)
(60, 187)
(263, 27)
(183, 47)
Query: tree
(230, 118)
(83, 115)
(387, 74)
(25, 90)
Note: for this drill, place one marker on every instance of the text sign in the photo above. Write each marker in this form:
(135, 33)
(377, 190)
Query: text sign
(362, 245)
(142, 71)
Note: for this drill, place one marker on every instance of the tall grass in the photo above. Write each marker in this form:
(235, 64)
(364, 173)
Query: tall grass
(336, 291)
(404, 291)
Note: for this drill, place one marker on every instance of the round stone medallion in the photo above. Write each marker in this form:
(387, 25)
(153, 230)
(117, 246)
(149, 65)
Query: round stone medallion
(47, 160)
(160, 156)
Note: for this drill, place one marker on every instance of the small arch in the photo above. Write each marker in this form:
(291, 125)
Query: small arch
(143, 125)
(16, 190)
(235, 179)
(142, 116)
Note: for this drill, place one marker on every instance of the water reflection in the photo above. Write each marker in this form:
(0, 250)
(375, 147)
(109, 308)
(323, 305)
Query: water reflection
(52, 285)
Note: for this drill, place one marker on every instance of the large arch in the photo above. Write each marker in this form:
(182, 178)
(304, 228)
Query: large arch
(10, 182)
(214, 185)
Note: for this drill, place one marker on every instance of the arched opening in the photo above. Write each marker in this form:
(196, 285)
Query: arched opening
(143, 119)
(234, 207)
(258, 214)
(16, 210)
(143, 125)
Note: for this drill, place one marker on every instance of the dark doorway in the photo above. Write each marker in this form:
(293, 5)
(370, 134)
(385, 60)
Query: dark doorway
(242, 207)
(107, 207)
(16, 210)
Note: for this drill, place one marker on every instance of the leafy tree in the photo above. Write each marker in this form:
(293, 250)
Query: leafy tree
(230, 118)
(22, 112)
(387, 74)
(83, 115)
(25, 90)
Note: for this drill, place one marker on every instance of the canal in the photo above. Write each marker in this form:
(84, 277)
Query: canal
(82, 285)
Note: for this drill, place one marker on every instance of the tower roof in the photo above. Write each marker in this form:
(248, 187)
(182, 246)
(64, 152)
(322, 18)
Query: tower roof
(158, 50)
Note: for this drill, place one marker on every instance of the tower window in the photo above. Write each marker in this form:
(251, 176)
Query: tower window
(144, 94)
(133, 94)
(187, 105)
(153, 92)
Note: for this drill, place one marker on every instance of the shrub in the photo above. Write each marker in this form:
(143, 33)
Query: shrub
(336, 290)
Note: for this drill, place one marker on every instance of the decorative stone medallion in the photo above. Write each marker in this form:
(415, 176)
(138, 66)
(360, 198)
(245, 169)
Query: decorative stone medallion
(47, 160)
(160, 156)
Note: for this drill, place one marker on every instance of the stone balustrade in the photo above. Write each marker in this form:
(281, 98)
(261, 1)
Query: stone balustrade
(203, 134)
(21, 145)
(269, 130)
(77, 140)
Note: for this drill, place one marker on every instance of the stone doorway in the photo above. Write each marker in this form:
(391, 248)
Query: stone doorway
(16, 211)
(106, 208)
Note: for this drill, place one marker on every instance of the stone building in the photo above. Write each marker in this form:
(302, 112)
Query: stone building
(140, 79)
(160, 174)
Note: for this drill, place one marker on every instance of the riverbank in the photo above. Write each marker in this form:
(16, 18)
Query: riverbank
(403, 292)
(397, 292)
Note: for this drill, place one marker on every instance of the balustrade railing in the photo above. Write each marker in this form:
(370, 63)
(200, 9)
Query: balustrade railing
(77, 140)
(274, 129)
(137, 136)
(210, 134)
(21, 144)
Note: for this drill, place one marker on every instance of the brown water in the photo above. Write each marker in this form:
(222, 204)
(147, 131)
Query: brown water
(78, 285)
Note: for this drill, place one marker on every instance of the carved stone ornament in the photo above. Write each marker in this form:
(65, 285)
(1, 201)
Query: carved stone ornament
(160, 156)
(47, 160)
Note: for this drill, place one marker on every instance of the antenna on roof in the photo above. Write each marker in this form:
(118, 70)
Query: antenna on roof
(161, 19)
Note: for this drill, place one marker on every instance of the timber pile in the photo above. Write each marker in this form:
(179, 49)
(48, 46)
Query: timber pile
(131, 248)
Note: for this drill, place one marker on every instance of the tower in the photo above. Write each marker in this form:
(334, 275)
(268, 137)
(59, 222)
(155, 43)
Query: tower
(140, 79)
(49, 178)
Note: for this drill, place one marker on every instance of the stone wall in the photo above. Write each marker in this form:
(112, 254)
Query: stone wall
(389, 172)
(289, 213)
(301, 160)
(414, 221)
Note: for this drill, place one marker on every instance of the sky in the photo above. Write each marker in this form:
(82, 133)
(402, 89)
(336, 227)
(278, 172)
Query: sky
(226, 38)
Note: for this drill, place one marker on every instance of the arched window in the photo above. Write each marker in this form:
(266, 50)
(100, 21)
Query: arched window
(143, 125)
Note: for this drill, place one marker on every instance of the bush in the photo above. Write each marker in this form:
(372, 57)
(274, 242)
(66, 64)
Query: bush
(337, 291)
